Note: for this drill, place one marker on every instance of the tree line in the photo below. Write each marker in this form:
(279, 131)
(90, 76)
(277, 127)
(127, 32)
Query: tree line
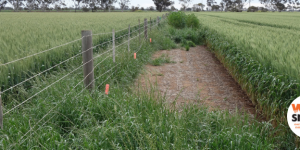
(93, 5)
(238, 5)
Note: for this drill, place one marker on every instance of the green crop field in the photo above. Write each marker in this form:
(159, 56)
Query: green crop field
(24, 34)
(261, 50)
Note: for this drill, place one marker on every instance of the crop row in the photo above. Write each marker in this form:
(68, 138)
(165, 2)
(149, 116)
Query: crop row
(262, 62)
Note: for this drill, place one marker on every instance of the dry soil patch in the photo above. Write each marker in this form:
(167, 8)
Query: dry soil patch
(196, 76)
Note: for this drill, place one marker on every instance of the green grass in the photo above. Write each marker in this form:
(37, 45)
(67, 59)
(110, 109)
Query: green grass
(29, 33)
(164, 58)
(126, 118)
(262, 58)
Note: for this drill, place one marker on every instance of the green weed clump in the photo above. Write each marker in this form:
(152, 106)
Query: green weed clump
(180, 20)
(186, 36)
(161, 60)
(187, 47)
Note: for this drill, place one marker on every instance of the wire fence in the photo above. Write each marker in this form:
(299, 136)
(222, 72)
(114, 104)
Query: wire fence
(141, 29)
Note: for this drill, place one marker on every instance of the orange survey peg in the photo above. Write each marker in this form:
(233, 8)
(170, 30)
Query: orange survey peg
(134, 55)
(150, 40)
(106, 89)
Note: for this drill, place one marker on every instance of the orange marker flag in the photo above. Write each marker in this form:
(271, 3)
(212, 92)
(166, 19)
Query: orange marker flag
(134, 55)
(106, 89)
(150, 40)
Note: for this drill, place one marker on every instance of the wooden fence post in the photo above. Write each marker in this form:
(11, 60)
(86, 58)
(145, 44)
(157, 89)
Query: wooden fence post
(114, 48)
(146, 32)
(139, 31)
(150, 24)
(87, 57)
(1, 114)
(129, 38)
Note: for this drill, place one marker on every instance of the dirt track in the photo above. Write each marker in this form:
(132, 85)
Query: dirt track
(196, 76)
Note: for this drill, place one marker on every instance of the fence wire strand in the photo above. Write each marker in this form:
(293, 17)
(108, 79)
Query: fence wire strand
(22, 140)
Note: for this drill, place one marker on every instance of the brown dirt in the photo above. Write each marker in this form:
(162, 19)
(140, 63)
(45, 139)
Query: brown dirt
(197, 77)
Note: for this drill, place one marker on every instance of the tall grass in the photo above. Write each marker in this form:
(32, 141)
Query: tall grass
(262, 59)
(26, 34)
(126, 119)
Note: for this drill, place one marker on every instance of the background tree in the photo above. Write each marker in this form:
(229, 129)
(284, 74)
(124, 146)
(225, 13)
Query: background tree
(234, 5)
(173, 8)
(196, 8)
(123, 4)
(31, 5)
(279, 4)
(183, 7)
(215, 7)
(107, 4)
(162, 4)
(222, 6)
(93, 4)
(2, 4)
(202, 6)
(210, 3)
(137, 7)
(142, 8)
(151, 8)
(252, 9)
(77, 4)
(185, 3)
(16, 4)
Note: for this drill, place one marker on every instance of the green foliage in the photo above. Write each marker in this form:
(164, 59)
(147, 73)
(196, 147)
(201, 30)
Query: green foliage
(187, 47)
(192, 21)
(186, 36)
(85, 9)
(191, 44)
(180, 20)
(252, 9)
(177, 19)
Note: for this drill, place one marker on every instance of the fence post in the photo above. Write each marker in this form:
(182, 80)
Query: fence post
(1, 114)
(87, 57)
(139, 31)
(114, 48)
(129, 38)
(150, 24)
(146, 32)
(157, 21)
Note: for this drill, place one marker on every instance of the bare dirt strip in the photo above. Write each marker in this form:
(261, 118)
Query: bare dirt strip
(196, 76)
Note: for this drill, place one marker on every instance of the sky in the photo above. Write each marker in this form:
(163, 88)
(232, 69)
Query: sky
(148, 3)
